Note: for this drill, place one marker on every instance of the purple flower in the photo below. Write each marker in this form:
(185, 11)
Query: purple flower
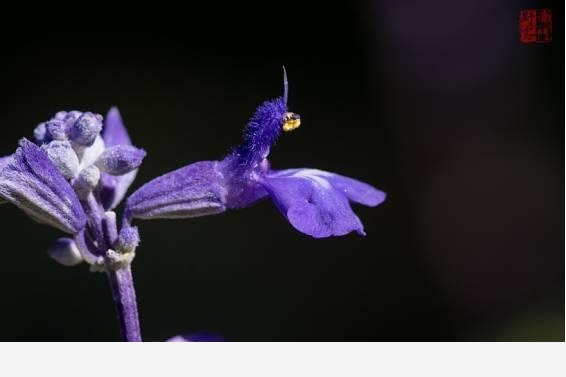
(315, 202)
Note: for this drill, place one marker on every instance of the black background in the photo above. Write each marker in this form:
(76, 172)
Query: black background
(435, 102)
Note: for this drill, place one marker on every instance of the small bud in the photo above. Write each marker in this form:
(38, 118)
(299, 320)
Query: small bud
(86, 181)
(85, 130)
(56, 129)
(63, 157)
(40, 133)
(128, 239)
(120, 159)
(65, 251)
(60, 115)
(71, 117)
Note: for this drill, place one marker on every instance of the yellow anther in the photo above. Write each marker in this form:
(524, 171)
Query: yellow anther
(291, 121)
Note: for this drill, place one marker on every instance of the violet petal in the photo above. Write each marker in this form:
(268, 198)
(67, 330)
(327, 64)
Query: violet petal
(33, 183)
(114, 188)
(355, 191)
(194, 190)
(311, 202)
(114, 132)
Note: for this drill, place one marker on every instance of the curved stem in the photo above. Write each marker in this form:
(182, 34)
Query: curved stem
(124, 295)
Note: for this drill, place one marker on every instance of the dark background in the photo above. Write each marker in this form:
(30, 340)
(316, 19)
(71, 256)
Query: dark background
(435, 102)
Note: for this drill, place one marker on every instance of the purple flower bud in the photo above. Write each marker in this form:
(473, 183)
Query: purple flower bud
(56, 129)
(63, 157)
(195, 190)
(87, 180)
(65, 251)
(40, 133)
(120, 159)
(31, 182)
(128, 239)
(60, 115)
(71, 117)
(85, 130)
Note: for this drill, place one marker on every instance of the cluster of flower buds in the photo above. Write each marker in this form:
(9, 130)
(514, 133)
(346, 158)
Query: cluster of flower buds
(72, 178)
(73, 143)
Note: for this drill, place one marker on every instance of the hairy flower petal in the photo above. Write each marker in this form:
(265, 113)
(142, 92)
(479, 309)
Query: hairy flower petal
(313, 204)
(33, 183)
(192, 191)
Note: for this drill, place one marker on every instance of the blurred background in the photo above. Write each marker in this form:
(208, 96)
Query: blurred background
(435, 102)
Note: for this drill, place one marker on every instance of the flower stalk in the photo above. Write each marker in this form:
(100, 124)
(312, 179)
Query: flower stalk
(124, 295)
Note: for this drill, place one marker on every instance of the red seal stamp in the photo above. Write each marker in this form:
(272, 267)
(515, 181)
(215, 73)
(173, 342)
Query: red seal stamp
(535, 25)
